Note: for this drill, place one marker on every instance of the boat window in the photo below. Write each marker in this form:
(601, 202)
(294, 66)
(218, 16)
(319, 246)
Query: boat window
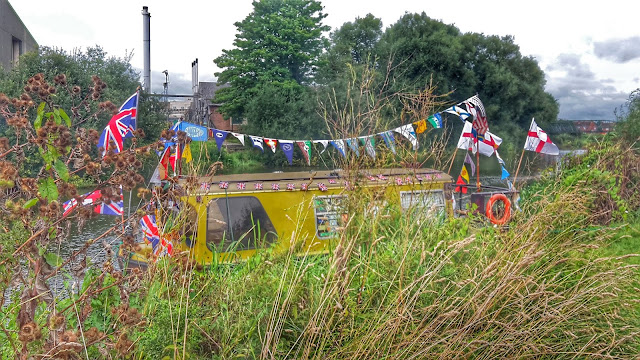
(429, 202)
(331, 215)
(249, 227)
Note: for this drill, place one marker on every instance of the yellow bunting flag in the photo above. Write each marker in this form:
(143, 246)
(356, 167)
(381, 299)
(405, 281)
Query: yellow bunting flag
(421, 126)
(464, 173)
(186, 154)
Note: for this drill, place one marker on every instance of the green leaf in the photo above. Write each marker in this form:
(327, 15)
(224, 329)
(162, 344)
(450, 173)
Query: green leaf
(53, 259)
(65, 117)
(48, 189)
(57, 117)
(38, 123)
(61, 169)
(30, 203)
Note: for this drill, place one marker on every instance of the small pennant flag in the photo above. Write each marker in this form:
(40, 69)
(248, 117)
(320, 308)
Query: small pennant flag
(421, 126)
(457, 110)
(272, 144)
(407, 132)
(469, 160)
(305, 147)
(223, 185)
(239, 137)
(322, 187)
(324, 143)
(291, 186)
(387, 136)
(435, 120)
(353, 144)
(257, 142)
(369, 145)
(275, 186)
(339, 144)
(505, 173)
(186, 154)
(219, 135)
(499, 159)
(463, 179)
(241, 186)
(304, 186)
(257, 186)
(287, 148)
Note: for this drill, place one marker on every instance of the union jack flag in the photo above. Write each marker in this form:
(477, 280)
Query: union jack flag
(332, 181)
(257, 186)
(372, 178)
(304, 186)
(205, 186)
(112, 208)
(322, 187)
(419, 177)
(121, 126)
(223, 184)
(275, 186)
(399, 181)
(150, 230)
(382, 177)
(291, 186)
(241, 185)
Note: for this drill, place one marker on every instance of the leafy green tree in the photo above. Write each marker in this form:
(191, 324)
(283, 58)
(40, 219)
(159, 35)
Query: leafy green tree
(280, 41)
(628, 116)
(79, 67)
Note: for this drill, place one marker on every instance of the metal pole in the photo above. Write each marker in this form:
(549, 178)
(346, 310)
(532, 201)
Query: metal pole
(146, 48)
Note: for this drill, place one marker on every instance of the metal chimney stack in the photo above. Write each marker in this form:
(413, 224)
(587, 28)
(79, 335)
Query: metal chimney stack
(146, 45)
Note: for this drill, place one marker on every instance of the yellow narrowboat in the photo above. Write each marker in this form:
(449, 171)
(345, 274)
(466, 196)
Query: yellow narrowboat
(232, 216)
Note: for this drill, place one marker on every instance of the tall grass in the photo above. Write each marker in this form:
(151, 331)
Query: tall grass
(406, 286)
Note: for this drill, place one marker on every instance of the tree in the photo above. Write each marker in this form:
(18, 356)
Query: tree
(510, 85)
(628, 116)
(279, 41)
(79, 67)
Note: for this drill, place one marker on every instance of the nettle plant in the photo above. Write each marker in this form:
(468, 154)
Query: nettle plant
(43, 144)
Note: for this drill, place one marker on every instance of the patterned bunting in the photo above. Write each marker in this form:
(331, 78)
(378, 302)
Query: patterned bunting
(305, 147)
(407, 132)
(324, 143)
(223, 184)
(322, 187)
(435, 120)
(275, 186)
(339, 144)
(272, 144)
(457, 110)
(291, 186)
(421, 126)
(241, 185)
(304, 186)
(239, 137)
(257, 142)
(257, 186)
(369, 145)
(505, 173)
(388, 138)
(287, 148)
(353, 144)
(219, 135)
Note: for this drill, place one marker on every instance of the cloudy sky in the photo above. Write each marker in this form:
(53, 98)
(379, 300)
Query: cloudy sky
(590, 51)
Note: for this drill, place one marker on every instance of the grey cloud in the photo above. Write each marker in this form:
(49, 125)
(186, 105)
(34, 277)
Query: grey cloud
(581, 96)
(618, 50)
(179, 84)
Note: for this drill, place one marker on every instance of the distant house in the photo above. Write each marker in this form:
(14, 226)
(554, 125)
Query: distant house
(205, 111)
(594, 126)
(15, 38)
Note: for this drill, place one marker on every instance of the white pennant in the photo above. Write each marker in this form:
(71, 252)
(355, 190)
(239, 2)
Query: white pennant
(324, 143)
(239, 137)
(407, 131)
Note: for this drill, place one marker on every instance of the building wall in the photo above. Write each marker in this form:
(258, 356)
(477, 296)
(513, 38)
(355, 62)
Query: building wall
(15, 38)
(216, 120)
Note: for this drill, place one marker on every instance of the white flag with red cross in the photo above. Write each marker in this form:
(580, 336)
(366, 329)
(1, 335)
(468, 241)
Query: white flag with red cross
(538, 141)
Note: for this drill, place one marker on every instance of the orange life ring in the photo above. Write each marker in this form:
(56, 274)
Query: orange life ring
(507, 209)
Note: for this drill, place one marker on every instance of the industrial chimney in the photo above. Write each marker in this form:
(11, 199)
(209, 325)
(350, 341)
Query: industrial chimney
(146, 46)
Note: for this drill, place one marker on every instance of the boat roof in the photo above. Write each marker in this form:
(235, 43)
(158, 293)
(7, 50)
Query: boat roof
(313, 179)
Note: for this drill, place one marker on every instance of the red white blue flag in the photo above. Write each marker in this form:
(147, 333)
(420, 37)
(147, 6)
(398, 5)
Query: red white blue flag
(121, 126)
(113, 208)
(150, 230)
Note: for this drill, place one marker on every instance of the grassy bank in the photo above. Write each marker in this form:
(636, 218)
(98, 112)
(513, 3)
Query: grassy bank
(561, 282)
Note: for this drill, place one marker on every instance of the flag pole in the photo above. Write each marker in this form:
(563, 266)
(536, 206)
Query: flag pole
(515, 177)
(452, 159)
(478, 168)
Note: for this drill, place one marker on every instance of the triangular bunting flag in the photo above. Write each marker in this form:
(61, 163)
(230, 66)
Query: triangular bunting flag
(339, 144)
(369, 145)
(186, 154)
(407, 132)
(505, 173)
(435, 120)
(353, 144)
(457, 110)
(272, 144)
(324, 143)
(287, 148)
(469, 160)
(305, 147)
(239, 137)
(257, 142)
(219, 135)
(463, 179)
(387, 136)
(499, 159)
(421, 126)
